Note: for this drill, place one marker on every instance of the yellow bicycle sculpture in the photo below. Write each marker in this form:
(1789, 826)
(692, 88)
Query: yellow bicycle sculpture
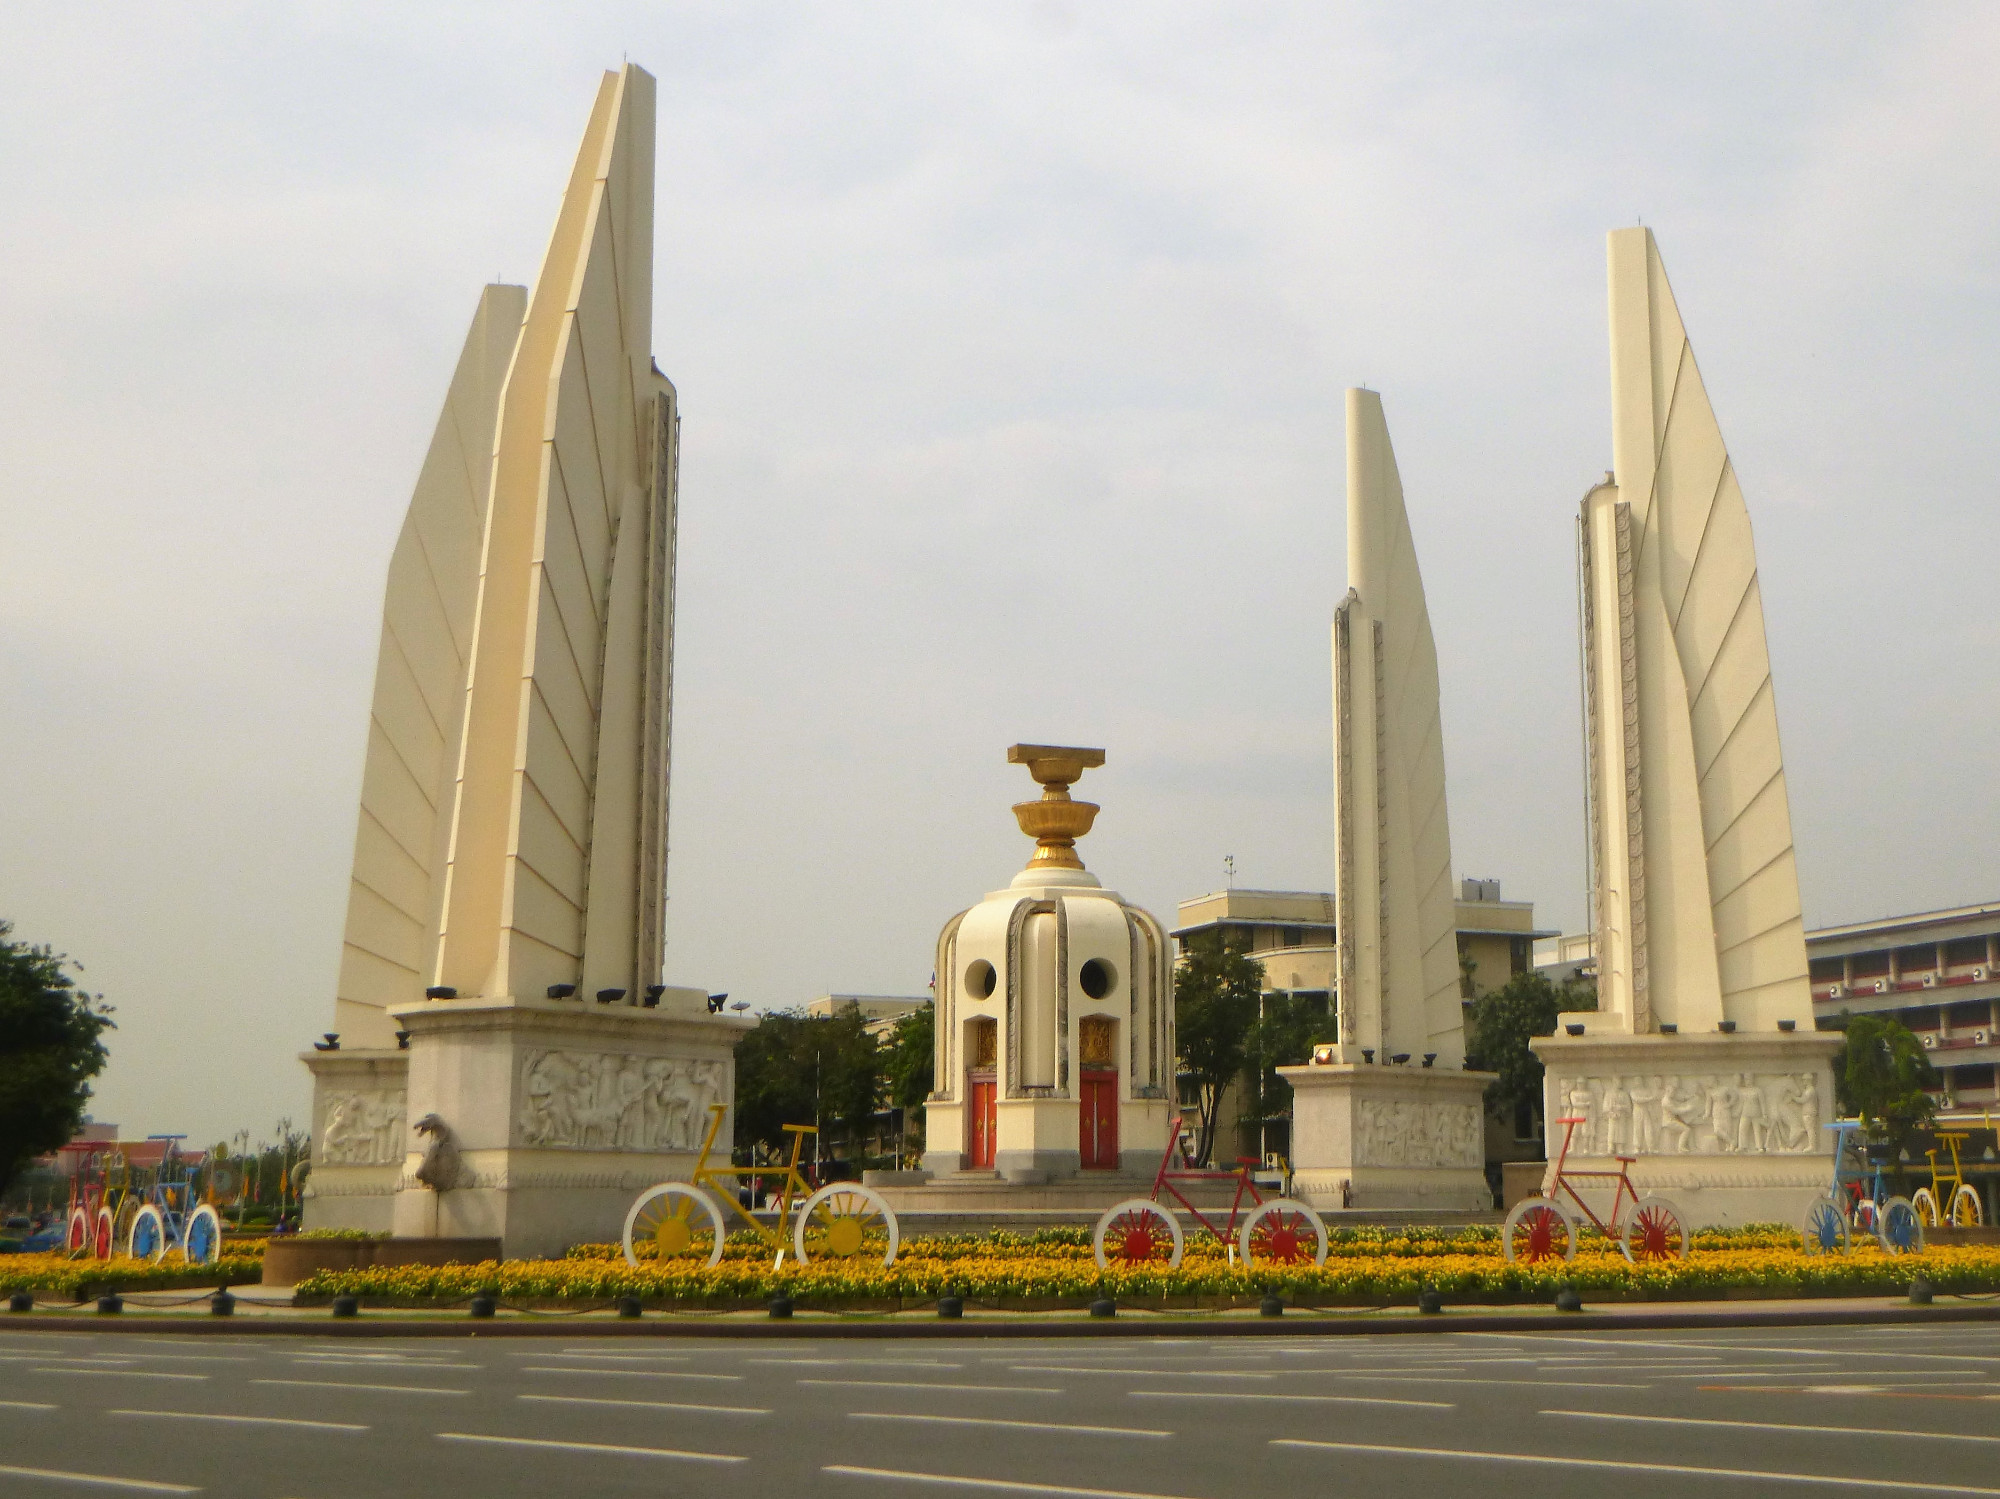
(1949, 1191)
(682, 1221)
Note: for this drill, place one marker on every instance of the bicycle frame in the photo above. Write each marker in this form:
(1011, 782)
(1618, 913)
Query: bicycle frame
(1621, 1176)
(1166, 1178)
(714, 1177)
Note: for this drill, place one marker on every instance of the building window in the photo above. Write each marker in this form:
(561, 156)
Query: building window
(1828, 970)
(1517, 954)
(1527, 1121)
(1966, 950)
(1921, 959)
(1871, 965)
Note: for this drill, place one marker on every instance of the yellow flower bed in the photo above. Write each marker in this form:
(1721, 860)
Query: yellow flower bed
(60, 1275)
(1058, 1270)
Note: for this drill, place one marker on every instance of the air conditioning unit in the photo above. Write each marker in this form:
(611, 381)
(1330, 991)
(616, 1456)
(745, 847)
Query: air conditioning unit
(1979, 1038)
(1979, 974)
(1881, 986)
(1930, 1043)
(1835, 991)
(1930, 980)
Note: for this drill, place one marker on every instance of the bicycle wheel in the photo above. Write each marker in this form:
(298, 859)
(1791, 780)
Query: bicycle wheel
(1137, 1231)
(105, 1237)
(1657, 1230)
(1925, 1203)
(679, 1221)
(1825, 1230)
(1539, 1229)
(201, 1236)
(1902, 1231)
(837, 1221)
(1966, 1210)
(1282, 1232)
(77, 1238)
(149, 1234)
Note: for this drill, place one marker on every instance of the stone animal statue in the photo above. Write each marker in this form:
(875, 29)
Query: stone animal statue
(440, 1168)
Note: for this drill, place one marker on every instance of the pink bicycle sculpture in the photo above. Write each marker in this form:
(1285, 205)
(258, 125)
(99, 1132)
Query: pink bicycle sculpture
(1142, 1230)
(1546, 1228)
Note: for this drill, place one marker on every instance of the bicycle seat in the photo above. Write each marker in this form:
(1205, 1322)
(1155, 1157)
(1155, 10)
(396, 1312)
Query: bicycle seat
(1627, 1159)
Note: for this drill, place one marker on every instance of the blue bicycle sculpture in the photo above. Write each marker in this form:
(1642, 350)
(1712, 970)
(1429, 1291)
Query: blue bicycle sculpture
(1859, 1202)
(169, 1218)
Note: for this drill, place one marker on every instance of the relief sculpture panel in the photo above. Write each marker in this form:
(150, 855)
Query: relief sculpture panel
(363, 1127)
(1722, 1113)
(602, 1100)
(1406, 1133)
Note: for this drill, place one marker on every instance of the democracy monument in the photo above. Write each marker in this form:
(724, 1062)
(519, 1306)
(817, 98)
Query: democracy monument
(506, 1060)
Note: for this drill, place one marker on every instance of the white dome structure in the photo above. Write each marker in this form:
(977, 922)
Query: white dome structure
(1055, 1036)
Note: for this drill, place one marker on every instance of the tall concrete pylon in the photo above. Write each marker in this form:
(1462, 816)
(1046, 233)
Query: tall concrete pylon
(1396, 922)
(1697, 890)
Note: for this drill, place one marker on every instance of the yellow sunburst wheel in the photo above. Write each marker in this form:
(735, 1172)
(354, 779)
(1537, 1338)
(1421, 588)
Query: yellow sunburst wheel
(674, 1236)
(843, 1237)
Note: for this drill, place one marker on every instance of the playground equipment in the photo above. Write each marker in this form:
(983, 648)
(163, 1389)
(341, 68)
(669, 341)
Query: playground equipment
(1543, 1228)
(683, 1222)
(1139, 1230)
(1934, 1204)
(1855, 1204)
(169, 1218)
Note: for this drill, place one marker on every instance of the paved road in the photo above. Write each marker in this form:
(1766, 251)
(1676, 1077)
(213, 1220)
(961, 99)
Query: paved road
(1722, 1413)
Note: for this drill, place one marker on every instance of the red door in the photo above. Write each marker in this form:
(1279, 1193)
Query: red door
(981, 1115)
(1097, 1133)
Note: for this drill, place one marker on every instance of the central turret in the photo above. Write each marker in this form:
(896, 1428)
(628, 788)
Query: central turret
(1055, 822)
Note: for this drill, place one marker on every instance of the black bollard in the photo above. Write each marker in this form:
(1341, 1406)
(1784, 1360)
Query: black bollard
(482, 1305)
(347, 1306)
(781, 1308)
(222, 1304)
(21, 1301)
(112, 1305)
(629, 1308)
(1568, 1301)
(951, 1307)
(1104, 1306)
(1920, 1292)
(1429, 1303)
(1270, 1306)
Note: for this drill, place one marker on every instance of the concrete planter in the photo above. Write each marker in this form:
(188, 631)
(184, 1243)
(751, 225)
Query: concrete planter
(288, 1261)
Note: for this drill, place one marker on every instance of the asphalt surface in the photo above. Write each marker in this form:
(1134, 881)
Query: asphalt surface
(1751, 1411)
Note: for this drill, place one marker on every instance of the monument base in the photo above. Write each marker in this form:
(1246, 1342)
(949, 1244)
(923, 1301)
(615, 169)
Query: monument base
(555, 1115)
(1726, 1125)
(1369, 1136)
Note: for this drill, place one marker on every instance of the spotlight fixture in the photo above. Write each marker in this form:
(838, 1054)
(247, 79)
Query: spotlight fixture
(331, 1043)
(1400, 1058)
(716, 1002)
(561, 991)
(1727, 1027)
(1430, 1057)
(440, 991)
(610, 996)
(1323, 1054)
(653, 993)
(402, 1040)
(1668, 1028)
(1575, 1027)
(1788, 1025)
(1367, 1055)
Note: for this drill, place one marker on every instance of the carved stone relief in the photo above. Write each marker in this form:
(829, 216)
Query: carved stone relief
(363, 1127)
(1403, 1132)
(603, 1100)
(1718, 1113)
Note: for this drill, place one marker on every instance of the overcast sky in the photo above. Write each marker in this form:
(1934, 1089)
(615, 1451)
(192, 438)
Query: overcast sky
(1011, 343)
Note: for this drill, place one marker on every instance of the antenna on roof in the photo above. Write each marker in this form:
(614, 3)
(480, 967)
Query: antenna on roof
(1229, 871)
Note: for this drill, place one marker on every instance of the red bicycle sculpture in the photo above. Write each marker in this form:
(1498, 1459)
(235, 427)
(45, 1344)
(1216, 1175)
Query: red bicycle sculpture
(1543, 1228)
(1141, 1231)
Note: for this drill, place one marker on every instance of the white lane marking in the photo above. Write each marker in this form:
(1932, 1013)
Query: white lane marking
(1004, 1485)
(184, 1358)
(242, 1420)
(650, 1405)
(1511, 1384)
(121, 1373)
(1104, 1431)
(1846, 1431)
(1763, 1475)
(1154, 1373)
(693, 1457)
(904, 1384)
(316, 1361)
(1432, 1405)
(342, 1384)
(649, 1358)
(629, 1373)
(864, 1363)
(26, 1405)
(99, 1480)
(1782, 1350)
(1926, 1376)
(94, 1360)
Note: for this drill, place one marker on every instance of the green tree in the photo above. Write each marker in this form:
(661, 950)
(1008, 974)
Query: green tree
(1881, 1075)
(806, 1069)
(1216, 988)
(909, 1064)
(50, 1049)
(1283, 1037)
(1504, 1020)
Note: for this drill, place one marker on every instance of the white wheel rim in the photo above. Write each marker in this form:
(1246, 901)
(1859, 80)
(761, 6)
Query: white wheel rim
(874, 1203)
(1672, 1209)
(1522, 1209)
(1272, 1208)
(674, 1191)
(148, 1214)
(1967, 1195)
(1141, 1205)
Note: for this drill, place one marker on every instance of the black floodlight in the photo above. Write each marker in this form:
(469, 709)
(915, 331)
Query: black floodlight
(1668, 1028)
(1430, 1058)
(440, 991)
(610, 996)
(716, 1002)
(1788, 1025)
(331, 1043)
(402, 1040)
(1367, 1054)
(561, 991)
(1400, 1058)
(1727, 1027)
(653, 993)
(1574, 1027)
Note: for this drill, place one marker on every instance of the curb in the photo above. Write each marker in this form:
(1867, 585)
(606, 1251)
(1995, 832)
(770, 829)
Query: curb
(1299, 1325)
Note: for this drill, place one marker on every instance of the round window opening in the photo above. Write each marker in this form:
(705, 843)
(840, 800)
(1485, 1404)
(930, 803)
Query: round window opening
(1098, 978)
(979, 979)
